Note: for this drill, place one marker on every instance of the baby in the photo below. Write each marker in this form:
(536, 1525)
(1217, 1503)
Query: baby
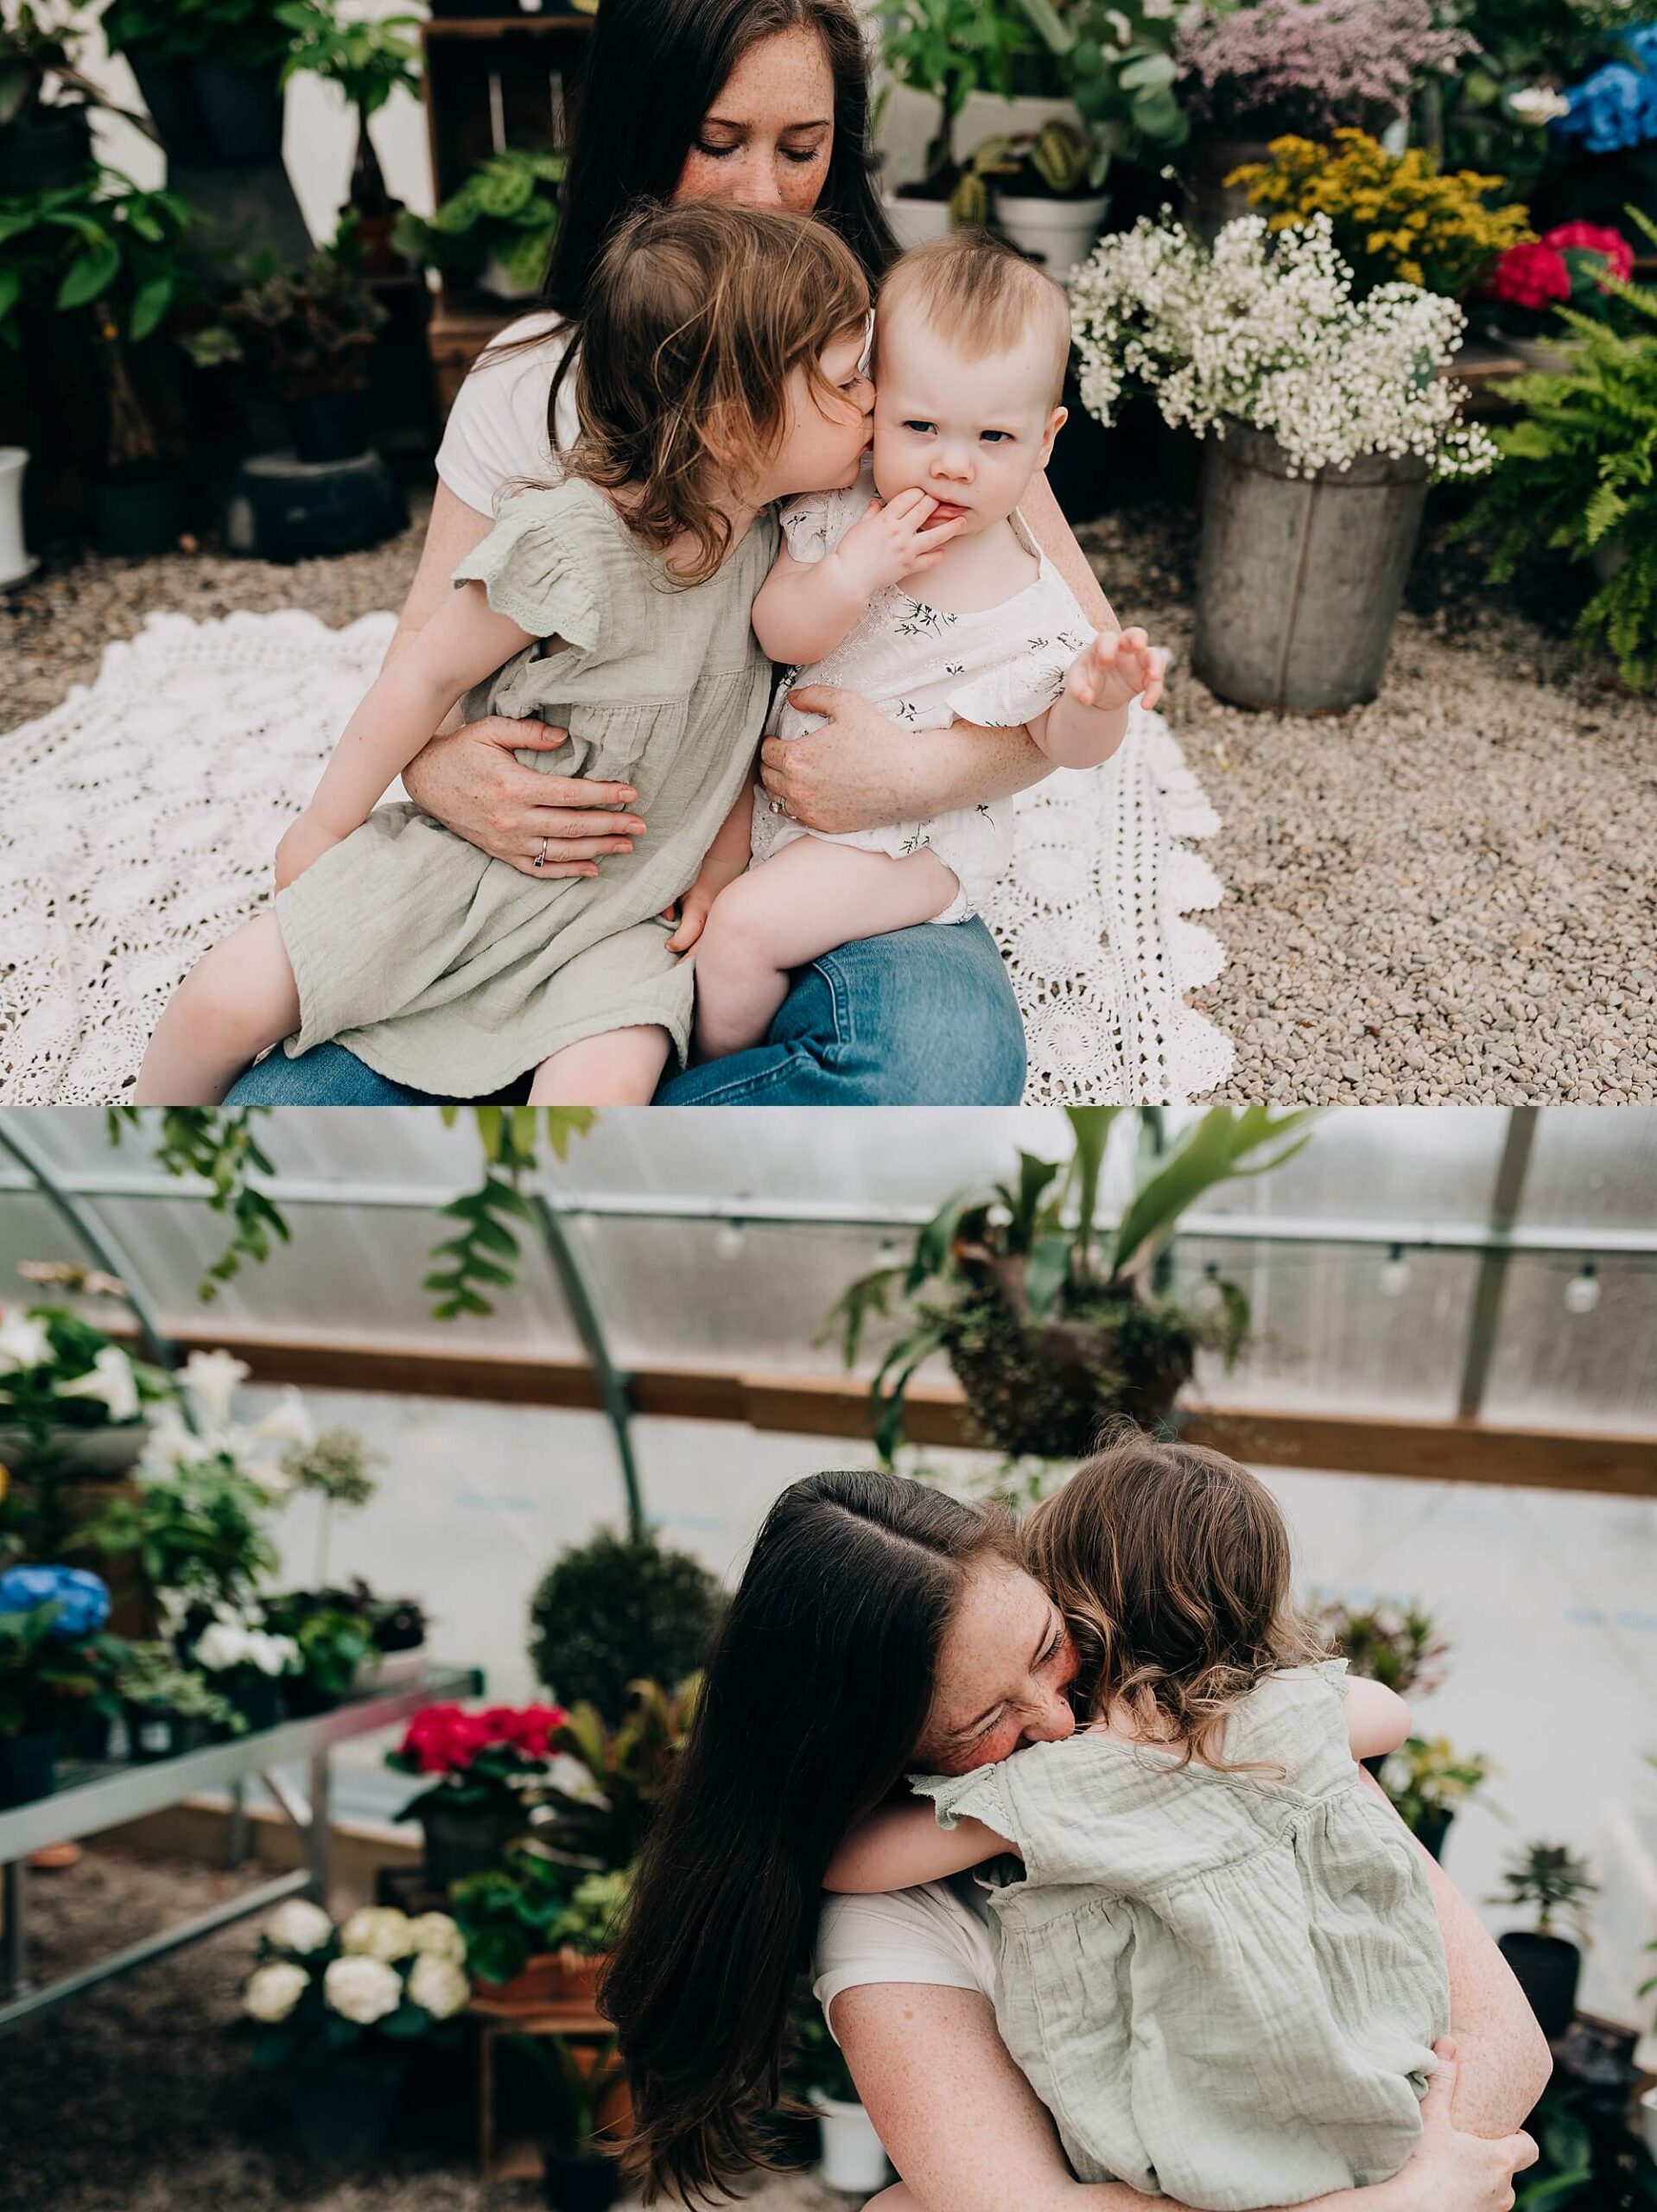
(970, 348)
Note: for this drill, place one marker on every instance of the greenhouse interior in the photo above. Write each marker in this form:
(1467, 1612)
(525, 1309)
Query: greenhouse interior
(389, 1471)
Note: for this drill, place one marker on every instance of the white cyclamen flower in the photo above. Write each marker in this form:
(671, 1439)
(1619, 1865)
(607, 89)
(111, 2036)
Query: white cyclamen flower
(376, 1931)
(273, 1991)
(223, 1644)
(23, 1342)
(434, 1935)
(364, 1990)
(111, 1380)
(299, 1926)
(213, 1376)
(439, 1986)
(273, 1654)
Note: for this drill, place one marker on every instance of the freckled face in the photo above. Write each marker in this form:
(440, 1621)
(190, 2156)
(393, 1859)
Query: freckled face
(767, 139)
(971, 434)
(1006, 1663)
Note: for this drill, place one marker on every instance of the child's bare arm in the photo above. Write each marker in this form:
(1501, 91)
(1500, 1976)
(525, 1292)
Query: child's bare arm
(1377, 1718)
(902, 1844)
(1088, 720)
(805, 609)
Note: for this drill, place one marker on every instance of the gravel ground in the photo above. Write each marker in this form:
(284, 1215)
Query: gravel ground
(1448, 895)
(134, 2098)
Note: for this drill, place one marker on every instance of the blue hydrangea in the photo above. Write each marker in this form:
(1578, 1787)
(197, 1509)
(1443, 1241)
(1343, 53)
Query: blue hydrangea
(82, 1599)
(1617, 105)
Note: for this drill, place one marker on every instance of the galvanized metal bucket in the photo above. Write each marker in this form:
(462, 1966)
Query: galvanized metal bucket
(1299, 579)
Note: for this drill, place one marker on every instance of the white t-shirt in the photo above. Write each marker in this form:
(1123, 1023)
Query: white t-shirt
(937, 1933)
(497, 429)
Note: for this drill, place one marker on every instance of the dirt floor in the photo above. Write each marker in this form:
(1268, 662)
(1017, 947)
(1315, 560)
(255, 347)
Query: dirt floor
(137, 2097)
(1449, 896)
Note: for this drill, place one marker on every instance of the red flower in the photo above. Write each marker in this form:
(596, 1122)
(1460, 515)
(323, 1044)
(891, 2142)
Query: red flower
(446, 1738)
(1594, 238)
(1532, 276)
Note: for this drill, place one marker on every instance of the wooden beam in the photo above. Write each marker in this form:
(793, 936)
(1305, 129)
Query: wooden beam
(1432, 1451)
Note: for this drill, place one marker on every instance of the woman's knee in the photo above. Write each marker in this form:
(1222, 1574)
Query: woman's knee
(923, 1017)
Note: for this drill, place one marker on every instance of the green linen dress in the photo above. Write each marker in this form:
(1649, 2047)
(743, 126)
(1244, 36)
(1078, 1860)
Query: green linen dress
(1225, 1987)
(454, 973)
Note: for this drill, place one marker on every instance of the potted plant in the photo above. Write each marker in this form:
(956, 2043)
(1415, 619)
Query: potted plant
(1556, 1883)
(1327, 421)
(497, 230)
(369, 61)
(16, 562)
(615, 1611)
(50, 1620)
(334, 1641)
(535, 1930)
(209, 71)
(1579, 476)
(1303, 66)
(74, 1411)
(1397, 1645)
(341, 2010)
(169, 1709)
(1566, 267)
(45, 100)
(601, 1789)
(1041, 189)
(1052, 1326)
(947, 49)
(307, 334)
(194, 1525)
(854, 2157)
(1394, 218)
(108, 254)
(245, 1662)
(1429, 1783)
(1117, 64)
(579, 2174)
(484, 1771)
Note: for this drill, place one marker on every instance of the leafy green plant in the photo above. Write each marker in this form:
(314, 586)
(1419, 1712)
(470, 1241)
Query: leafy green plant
(950, 49)
(1052, 1324)
(1552, 1880)
(1398, 1646)
(615, 1611)
(197, 1530)
(598, 1824)
(147, 1674)
(333, 1639)
(245, 31)
(106, 252)
(532, 1903)
(505, 212)
(1579, 476)
(1117, 63)
(44, 1675)
(1425, 1779)
(216, 1143)
(39, 55)
(305, 332)
(1058, 162)
(368, 59)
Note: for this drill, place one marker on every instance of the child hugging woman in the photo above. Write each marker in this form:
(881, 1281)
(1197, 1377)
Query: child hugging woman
(1219, 1963)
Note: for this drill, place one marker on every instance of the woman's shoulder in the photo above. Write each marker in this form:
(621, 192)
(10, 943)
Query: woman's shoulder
(497, 430)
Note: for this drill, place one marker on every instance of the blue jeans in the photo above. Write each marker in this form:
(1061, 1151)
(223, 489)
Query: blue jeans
(923, 1017)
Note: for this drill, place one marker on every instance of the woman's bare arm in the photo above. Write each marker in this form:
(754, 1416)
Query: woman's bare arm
(1041, 511)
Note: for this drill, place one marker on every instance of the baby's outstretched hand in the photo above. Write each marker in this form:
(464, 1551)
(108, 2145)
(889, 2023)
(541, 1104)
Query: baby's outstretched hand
(303, 842)
(1119, 665)
(891, 541)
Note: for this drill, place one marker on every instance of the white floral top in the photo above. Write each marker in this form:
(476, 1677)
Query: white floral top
(925, 668)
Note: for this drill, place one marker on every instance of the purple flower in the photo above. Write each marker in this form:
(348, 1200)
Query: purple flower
(1311, 66)
(82, 1599)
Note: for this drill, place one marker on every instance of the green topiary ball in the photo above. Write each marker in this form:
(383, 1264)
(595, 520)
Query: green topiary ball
(611, 1611)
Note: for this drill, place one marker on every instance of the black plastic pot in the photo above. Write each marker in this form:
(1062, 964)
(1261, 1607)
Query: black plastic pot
(1431, 1829)
(328, 426)
(282, 508)
(138, 515)
(87, 1736)
(343, 2112)
(462, 1839)
(212, 112)
(155, 1732)
(258, 1699)
(306, 1698)
(1546, 1968)
(581, 2180)
(43, 150)
(28, 1767)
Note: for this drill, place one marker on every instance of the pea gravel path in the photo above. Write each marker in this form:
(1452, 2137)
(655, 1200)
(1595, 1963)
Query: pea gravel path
(134, 2098)
(1449, 895)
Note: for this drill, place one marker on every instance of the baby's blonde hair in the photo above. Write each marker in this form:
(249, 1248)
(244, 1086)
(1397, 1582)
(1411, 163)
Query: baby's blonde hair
(981, 298)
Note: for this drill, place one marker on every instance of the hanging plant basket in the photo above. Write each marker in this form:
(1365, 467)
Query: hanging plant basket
(1048, 1390)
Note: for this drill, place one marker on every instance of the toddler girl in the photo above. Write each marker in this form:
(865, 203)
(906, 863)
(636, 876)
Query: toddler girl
(1219, 1965)
(971, 344)
(720, 368)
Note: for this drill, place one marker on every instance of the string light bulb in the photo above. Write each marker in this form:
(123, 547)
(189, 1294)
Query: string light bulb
(728, 1240)
(1582, 1292)
(1394, 1274)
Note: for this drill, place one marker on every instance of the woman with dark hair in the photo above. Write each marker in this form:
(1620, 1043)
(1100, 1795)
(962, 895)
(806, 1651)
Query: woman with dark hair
(764, 102)
(881, 1627)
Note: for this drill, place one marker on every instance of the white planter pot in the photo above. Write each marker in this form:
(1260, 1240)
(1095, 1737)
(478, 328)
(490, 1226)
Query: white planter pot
(15, 561)
(1057, 233)
(917, 222)
(909, 119)
(854, 2156)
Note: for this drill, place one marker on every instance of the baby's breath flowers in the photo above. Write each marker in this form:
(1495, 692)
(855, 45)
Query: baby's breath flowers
(1264, 331)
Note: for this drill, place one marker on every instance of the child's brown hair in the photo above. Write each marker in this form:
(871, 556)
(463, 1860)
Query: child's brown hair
(698, 317)
(982, 298)
(1172, 1565)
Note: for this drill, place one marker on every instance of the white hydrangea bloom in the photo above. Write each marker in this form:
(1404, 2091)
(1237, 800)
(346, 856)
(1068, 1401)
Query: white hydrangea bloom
(377, 1931)
(1262, 330)
(111, 1380)
(439, 1986)
(434, 1935)
(23, 1340)
(273, 1990)
(362, 1989)
(298, 1925)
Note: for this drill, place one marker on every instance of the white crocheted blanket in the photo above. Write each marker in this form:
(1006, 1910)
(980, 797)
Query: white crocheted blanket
(137, 822)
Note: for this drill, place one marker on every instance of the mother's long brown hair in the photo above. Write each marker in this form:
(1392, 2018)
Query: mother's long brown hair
(814, 1694)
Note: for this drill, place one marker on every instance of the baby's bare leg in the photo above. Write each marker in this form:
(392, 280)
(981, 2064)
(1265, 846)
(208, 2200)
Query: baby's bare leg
(236, 1001)
(620, 1068)
(790, 910)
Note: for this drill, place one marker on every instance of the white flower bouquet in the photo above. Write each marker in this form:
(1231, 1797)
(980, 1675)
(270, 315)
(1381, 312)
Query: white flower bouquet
(372, 1985)
(1263, 330)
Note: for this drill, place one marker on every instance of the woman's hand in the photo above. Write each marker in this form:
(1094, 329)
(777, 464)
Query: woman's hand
(1452, 2171)
(860, 770)
(470, 783)
(304, 840)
